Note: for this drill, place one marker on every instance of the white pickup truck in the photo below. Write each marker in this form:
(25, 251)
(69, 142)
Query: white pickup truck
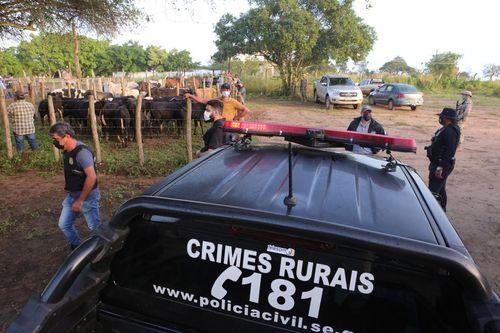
(337, 90)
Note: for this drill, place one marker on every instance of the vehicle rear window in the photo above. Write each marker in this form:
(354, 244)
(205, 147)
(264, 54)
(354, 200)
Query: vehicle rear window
(343, 81)
(227, 276)
(377, 81)
(407, 88)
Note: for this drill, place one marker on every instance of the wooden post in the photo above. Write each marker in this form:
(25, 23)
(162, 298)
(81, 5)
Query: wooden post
(42, 89)
(149, 89)
(203, 87)
(177, 92)
(31, 93)
(123, 86)
(138, 127)
(6, 125)
(194, 83)
(189, 141)
(93, 126)
(52, 120)
(87, 83)
(99, 84)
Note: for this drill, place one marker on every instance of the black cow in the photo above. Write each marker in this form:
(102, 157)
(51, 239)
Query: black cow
(43, 107)
(116, 120)
(75, 111)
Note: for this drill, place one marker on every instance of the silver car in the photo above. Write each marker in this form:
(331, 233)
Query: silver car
(397, 94)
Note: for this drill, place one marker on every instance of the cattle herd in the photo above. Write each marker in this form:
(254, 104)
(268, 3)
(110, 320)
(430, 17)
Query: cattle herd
(116, 115)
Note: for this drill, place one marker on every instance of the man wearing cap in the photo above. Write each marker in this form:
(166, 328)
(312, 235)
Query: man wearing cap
(22, 115)
(233, 110)
(365, 124)
(441, 153)
(463, 110)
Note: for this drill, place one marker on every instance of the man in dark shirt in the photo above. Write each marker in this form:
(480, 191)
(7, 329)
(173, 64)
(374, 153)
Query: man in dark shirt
(365, 124)
(441, 153)
(80, 183)
(214, 137)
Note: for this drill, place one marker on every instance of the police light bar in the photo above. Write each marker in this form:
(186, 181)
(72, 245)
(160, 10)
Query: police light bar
(319, 137)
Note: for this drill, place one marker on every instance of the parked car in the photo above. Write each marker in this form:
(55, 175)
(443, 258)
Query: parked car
(369, 85)
(397, 94)
(337, 90)
(274, 237)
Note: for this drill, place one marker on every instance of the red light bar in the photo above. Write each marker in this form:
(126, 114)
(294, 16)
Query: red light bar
(320, 137)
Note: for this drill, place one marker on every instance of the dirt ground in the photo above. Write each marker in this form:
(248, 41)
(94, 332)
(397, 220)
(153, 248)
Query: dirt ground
(32, 247)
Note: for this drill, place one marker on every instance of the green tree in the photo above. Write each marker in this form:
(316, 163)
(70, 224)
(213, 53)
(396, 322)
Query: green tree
(156, 57)
(295, 34)
(9, 64)
(444, 64)
(397, 66)
(491, 70)
(180, 61)
(129, 57)
(46, 53)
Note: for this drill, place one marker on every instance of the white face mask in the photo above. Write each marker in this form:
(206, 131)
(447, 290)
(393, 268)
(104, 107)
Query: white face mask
(206, 116)
(226, 93)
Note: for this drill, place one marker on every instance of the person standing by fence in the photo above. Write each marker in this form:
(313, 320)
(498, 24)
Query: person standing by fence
(22, 115)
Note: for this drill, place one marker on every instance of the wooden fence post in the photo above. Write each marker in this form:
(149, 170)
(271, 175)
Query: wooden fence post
(52, 120)
(138, 128)
(189, 141)
(93, 126)
(42, 89)
(123, 85)
(6, 125)
(149, 89)
(203, 87)
(177, 92)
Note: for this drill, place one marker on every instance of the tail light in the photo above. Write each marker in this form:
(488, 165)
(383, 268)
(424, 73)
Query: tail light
(401, 96)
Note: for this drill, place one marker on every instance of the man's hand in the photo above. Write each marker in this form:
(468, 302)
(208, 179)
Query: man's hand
(439, 173)
(77, 206)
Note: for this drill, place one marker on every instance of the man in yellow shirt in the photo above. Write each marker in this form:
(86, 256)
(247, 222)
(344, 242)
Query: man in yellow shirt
(233, 110)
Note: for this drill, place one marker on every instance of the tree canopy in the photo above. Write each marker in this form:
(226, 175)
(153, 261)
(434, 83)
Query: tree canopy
(104, 17)
(444, 64)
(295, 34)
(46, 53)
(491, 70)
(397, 66)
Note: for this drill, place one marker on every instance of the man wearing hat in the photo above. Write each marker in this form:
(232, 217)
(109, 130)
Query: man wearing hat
(365, 124)
(463, 110)
(22, 115)
(233, 110)
(441, 153)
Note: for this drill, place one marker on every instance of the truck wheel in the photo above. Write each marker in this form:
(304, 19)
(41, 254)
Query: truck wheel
(355, 106)
(371, 100)
(390, 105)
(316, 98)
(327, 102)
(413, 107)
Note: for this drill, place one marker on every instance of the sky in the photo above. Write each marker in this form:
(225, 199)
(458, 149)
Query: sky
(414, 30)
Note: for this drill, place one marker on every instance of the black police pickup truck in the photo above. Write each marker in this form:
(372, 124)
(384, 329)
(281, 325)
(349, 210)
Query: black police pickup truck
(274, 237)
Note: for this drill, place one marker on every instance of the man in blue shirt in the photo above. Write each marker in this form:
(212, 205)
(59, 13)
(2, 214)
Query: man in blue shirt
(80, 178)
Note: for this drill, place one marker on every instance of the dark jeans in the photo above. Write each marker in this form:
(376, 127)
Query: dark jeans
(437, 185)
(20, 141)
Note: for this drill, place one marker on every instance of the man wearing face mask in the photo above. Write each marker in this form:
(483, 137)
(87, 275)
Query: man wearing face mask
(233, 110)
(441, 153)
(80, 183)
(365, 124)
(214, 137)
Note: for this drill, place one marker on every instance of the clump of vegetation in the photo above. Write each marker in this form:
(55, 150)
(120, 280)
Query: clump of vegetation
(161, 156)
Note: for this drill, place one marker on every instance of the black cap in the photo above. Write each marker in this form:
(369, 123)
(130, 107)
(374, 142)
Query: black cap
(226, 86)
(448, 113)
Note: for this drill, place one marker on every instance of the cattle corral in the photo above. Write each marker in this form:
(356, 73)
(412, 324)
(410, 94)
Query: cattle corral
(153, 110)
(30, 202)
